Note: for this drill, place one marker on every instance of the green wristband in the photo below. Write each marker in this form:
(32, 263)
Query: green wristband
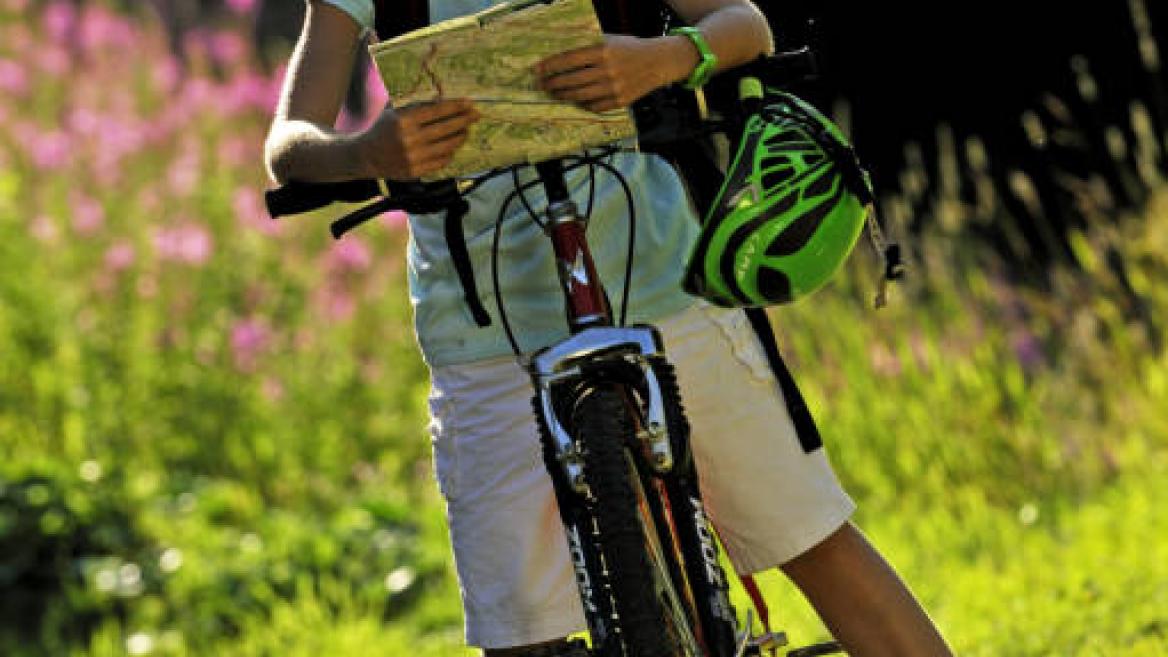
(708, 62)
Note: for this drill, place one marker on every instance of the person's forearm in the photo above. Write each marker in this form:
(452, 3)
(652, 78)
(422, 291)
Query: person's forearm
(737, 34)
(300, 150)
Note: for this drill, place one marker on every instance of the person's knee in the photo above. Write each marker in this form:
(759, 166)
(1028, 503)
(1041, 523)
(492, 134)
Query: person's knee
(840, 543)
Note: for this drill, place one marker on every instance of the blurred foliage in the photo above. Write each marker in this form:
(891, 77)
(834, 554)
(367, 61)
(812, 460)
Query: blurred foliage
(212, 426)
(84, 547)
(54, 538)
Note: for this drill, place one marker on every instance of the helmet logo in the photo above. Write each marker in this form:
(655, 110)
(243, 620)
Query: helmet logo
(746, 256)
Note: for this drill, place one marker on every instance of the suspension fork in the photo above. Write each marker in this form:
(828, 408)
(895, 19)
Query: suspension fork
(583, 292)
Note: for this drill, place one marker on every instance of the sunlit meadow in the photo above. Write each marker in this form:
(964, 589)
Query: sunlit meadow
(212, 426)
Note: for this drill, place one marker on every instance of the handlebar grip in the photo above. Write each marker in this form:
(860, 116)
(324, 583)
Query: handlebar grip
(299, 197)
(787, 67)
(782, 68)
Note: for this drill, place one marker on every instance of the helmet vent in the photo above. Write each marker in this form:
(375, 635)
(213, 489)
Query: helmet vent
(789, 140)
(773, 285)
(796, 236)
(820, 186)
(776, 177)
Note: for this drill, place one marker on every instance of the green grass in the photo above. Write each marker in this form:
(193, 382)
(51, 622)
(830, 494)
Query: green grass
(223, 450)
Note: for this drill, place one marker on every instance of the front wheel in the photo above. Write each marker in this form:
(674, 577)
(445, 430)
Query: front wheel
(652, 618)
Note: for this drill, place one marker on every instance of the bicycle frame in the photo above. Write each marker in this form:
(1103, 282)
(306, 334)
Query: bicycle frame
(583, 290)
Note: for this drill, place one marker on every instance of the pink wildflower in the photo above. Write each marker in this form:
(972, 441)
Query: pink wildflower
(339, 305)
(254, 91)
(241, 6)
(51, 151)
(84, 120)
(166, 73)
(395, 219)
(251, 213)
(235, 151)
(1027, 348)
(51, 59)
(100, 27)
(123, 136)
(44, 229)
(196, 44)
(184, 173)
(189, 244)
(349, 255)
(149, 200)
(249, 339)
(227, 47)
(162, 128)
(119, 257)
(88, 214)
(13, 78)
(200, 92)
(59, 19)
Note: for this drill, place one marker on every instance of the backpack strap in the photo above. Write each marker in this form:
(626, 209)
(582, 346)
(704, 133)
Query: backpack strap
(809, 438)
(393, 18)
(456, 245)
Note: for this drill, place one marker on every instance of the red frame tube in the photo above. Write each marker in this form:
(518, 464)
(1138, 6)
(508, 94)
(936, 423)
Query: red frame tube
(583, 291)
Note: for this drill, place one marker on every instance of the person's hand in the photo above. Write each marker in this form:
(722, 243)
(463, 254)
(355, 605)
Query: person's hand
(412, 141)
(607, 76)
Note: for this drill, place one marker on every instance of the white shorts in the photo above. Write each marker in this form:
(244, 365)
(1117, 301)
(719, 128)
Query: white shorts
(769, 498)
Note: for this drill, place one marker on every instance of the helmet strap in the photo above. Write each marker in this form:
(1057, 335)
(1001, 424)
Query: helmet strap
(889, 253)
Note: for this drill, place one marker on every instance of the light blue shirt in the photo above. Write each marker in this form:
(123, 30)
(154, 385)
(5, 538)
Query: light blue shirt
(666, 230)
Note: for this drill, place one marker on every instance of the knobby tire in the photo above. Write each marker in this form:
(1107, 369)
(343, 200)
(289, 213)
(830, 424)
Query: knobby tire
(603, 426)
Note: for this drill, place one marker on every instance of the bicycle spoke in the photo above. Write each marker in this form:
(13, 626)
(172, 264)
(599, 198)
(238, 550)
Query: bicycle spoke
(664, 582)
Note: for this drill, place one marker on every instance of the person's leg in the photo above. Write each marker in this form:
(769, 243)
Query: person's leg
(862, 600)
(510, 551)
(771, 492)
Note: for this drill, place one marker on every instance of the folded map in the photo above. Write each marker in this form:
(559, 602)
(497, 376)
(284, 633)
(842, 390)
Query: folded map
(489, 57)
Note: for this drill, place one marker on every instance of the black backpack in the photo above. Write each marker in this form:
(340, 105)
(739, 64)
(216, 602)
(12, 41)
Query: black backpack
(396, 17)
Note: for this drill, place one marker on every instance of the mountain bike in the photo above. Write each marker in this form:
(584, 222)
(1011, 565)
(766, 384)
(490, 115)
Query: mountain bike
(611, 421)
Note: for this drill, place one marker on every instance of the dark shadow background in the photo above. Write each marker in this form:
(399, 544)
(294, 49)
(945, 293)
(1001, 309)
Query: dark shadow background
(905, 68)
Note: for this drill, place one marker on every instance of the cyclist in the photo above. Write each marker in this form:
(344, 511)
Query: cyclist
(776, 502)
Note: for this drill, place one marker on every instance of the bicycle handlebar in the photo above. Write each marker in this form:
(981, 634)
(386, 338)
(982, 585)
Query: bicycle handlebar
(664, 118)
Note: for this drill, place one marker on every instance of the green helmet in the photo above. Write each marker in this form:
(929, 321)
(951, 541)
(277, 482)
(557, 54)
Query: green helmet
(788, 214)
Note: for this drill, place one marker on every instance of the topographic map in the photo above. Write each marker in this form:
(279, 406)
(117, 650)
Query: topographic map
(489, 58)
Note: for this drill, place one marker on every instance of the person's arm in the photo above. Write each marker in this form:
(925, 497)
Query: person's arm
(624, 68)
(302, 144)
(735, 30)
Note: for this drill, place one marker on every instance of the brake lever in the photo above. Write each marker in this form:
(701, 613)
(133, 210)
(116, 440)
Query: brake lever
(414, 197)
